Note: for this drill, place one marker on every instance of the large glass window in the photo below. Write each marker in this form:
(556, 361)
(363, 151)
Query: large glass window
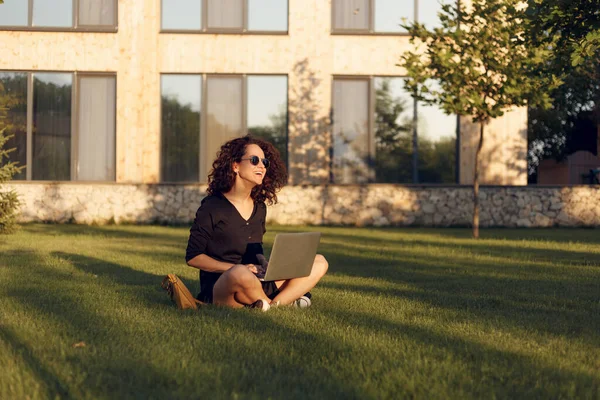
(231, 106)
(14, 13)
(51, 141)
(225, 16)
(351, 142)
(97, 125)
(180, 127)
(437, 144)
(13, 117)
(268, 15)
(267, 110)
(393, 130)
(59, 14)
(381, 16)
(224, 113)
(375, 126)
(181, 15)
(52, 126)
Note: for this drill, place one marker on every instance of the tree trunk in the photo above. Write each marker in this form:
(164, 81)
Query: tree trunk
(476, 183)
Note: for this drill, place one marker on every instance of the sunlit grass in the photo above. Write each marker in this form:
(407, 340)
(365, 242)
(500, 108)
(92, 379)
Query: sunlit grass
(402, 313)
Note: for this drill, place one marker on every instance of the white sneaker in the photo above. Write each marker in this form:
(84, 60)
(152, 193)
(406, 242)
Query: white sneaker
(302, 302)
(261, 305)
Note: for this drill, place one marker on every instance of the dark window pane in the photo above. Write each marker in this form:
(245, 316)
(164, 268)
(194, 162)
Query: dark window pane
(13, 97)
(389, 14)
(97, 12)
(394, 111)
(437, 145)
(350, 131)
(267, 110)
(428, 10)
(351, 15)
(96, 122)
(13, 13)
(225, 14)
(52, 126)
(224, 113)
(180, 127)
(268, 15)
(181, 14)
(53, 13)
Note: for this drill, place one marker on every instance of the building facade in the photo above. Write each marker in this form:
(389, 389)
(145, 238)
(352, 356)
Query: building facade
(141, 93)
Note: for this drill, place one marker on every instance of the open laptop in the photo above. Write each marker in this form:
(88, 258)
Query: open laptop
(292, 256)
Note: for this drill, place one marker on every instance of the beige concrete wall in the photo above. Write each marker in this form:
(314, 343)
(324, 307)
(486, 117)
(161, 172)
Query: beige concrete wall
(309, 54)
(503, 159)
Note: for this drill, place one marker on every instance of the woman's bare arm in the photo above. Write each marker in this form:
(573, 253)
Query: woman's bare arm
(209, 264)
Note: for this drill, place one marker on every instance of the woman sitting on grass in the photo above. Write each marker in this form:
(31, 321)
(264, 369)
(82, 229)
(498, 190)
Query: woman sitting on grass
(228, 231)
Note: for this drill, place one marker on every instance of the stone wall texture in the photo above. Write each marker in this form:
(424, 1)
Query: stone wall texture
(360, 205)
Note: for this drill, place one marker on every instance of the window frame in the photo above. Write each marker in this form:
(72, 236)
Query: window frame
(75, 27)
(202, 157)
(371, 132)
(231, 31)
(76, 76)
(371, 30)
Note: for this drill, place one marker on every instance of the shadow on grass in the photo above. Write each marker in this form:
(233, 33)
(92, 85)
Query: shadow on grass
(513, 373)
(224, 353)
(116, 363)
(53, 386)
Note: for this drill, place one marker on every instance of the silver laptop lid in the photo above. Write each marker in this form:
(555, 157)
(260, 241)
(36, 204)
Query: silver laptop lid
(293, 255)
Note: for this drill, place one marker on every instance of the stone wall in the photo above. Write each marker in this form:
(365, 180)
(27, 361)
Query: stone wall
(362, 205)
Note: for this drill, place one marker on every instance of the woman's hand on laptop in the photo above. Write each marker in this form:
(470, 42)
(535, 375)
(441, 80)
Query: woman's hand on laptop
(251, 267)
(263, 263)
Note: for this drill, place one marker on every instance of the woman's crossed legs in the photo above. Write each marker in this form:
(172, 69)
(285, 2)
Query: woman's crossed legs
(239, 286)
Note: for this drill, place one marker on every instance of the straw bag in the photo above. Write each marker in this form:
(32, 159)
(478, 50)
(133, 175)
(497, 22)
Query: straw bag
(179, 293)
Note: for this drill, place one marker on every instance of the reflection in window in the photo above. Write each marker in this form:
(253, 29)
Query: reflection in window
(394, 114)
(97, 12)
(267, 110)
(59, 14)
(389, 14)
(428, 12)
(13, 98)
(96, 123)
(225, 14)
(351, 141)
(180, 127)
(224, 114)
(437, 145)
(53, 13)
(384, 153)
(181, 14)
(228, 16)
(13, 13)
(351, 14)
(268, 15)
(52, 126)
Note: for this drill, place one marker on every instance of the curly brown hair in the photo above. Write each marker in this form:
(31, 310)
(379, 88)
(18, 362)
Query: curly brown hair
(222, 177)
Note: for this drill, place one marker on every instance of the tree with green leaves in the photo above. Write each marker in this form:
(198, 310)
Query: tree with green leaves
(482, 64)
(571, 30)
(9, 201)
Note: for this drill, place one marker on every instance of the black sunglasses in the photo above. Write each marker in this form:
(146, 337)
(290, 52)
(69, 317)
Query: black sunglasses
(254, 160)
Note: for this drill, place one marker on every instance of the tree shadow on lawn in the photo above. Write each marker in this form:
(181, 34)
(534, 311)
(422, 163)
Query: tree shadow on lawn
(206, 363)
(557, 235)
(511, 249)
(545, 299)
(170, 236)
(54, 386)
(218, 351)
(490, 371)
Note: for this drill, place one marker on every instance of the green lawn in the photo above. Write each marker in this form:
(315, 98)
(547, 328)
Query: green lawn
(422, 313)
